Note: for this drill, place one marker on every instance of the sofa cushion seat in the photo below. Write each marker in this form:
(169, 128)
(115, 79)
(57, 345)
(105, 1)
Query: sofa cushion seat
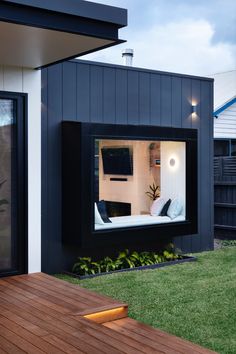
(137, 220)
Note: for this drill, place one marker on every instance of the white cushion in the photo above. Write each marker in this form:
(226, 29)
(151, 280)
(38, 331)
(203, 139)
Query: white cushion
(175, 208)
(137, 220)
(97, 217)
(157, 206)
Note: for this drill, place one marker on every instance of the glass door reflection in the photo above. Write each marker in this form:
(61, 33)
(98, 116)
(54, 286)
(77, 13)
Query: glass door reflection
(8, 197)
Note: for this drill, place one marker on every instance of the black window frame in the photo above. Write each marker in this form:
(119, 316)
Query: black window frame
(21, 243)
(78, 144)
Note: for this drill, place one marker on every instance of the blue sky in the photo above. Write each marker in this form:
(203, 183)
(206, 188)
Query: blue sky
(187, 36)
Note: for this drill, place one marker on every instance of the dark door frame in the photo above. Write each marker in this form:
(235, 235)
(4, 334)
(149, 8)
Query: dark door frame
(21, 141)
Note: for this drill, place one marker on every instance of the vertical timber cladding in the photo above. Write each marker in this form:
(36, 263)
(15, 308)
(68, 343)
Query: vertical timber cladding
(103, 93)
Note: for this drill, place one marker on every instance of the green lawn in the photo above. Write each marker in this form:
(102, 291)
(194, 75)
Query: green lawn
(196, 301)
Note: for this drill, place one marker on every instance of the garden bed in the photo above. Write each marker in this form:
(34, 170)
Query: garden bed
(183, 259)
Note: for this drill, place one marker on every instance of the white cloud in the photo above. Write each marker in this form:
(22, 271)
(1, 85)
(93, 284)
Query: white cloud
(183, 46)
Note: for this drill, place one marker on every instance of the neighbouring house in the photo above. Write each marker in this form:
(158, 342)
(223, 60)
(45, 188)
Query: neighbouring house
(225, 113)
(225, 153)
(79, 137)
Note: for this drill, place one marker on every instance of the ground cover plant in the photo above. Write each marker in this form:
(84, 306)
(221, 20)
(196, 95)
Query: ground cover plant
(196, 301)
(124, 260)
(228, 243)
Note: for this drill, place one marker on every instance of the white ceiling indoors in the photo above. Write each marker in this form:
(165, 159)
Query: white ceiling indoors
(35, 47)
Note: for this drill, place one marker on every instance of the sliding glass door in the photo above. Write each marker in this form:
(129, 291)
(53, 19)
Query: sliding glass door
(12, 184)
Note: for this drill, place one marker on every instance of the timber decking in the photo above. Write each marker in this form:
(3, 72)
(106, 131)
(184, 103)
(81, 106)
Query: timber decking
(42, 314)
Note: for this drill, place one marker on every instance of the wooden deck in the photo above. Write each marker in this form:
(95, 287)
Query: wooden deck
(41, 314)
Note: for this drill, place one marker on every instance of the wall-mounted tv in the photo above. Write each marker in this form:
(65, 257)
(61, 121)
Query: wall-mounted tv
(117, 160)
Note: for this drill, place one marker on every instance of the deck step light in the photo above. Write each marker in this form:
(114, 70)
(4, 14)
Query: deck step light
(106, 315)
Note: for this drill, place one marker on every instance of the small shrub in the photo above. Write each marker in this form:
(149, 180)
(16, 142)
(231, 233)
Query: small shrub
(124, 260)
(228, 243)
(83, 266)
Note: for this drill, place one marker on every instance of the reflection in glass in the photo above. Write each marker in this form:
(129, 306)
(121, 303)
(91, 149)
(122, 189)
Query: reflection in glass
(221, 148)
(134, 180)
(233, 147)
(7, 208)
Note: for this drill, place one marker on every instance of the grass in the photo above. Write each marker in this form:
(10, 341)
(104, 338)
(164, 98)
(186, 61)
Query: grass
(195, 301)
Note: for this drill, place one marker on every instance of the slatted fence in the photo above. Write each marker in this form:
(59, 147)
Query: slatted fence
(225, 197)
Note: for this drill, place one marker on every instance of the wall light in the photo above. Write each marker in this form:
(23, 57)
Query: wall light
(172, 162)
(194, 109)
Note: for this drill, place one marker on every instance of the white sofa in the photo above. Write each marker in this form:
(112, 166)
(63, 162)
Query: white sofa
(137, 220)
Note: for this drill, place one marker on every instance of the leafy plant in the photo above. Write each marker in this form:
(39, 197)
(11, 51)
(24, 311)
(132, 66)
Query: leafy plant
(125, 259)
(146, 258)
(228, 243)
(154, 191)
(169, 256)
(83, 266)
(158, 258)
(2, 201)
(108, 265)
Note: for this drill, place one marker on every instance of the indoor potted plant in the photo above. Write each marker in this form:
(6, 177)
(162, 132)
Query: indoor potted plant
(154, 192)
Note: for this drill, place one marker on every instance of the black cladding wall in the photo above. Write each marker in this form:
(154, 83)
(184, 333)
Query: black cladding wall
(103, 93)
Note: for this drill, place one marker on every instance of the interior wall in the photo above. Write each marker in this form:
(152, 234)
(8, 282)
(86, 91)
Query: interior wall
(173, 178)
(133, 190)
(17, 79)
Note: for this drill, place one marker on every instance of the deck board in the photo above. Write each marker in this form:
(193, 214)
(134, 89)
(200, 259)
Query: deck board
(42, 314)
(136, 329)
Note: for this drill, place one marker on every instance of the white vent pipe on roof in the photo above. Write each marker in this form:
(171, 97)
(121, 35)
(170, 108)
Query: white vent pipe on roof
(127, 55)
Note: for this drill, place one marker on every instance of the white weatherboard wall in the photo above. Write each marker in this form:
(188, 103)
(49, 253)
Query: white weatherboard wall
(224, 87)
(225, 124)
(15, 79)
(173, 178)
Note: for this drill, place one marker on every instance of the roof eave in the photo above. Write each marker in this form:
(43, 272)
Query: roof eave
(90, 10)
(59, 17)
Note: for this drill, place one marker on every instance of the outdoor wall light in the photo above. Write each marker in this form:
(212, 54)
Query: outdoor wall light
(194, 109)
(172, 162)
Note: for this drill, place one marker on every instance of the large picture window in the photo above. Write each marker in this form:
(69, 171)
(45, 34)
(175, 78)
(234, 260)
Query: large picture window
(139, 182)
(125, 185)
